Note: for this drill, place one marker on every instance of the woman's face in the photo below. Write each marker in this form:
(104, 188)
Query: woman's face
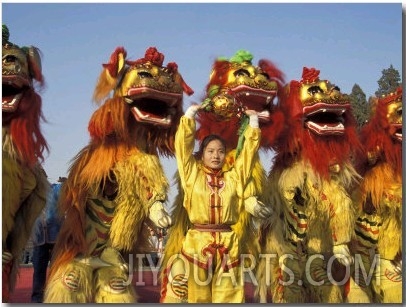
(214, 155)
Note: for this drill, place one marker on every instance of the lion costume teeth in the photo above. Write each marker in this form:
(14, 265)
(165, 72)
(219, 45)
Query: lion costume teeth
(152, 90)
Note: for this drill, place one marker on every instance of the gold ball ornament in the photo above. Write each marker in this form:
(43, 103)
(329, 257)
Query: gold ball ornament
(225, 106)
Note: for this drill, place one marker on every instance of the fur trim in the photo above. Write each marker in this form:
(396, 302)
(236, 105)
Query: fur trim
(27, 191)
(57, 292)
(141, 182)
(104, 292)
(377, 182)
(25, 129)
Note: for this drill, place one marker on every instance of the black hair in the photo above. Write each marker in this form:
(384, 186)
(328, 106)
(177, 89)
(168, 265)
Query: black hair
(206, 141)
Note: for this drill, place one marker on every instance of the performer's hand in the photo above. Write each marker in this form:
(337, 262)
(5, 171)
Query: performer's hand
(392, 266)
(253, 116)
(257, 208)
(6, 257)
(159, 216)
(93, 262)
(250, 112)
(397, 266)
(342, 253)
(192, 110)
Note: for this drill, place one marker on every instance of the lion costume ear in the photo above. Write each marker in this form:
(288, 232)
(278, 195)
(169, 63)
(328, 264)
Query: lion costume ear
(111, 74)
(34, 63)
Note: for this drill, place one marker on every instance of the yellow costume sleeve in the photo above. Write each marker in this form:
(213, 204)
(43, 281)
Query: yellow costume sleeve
(188, 166)
(184, 145)
(244, 163)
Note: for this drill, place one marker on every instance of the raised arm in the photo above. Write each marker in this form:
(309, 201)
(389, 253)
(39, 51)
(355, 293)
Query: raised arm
(245, 161)
(185, 141)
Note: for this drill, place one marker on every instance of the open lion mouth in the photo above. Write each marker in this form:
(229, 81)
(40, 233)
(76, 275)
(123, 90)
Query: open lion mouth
(398, 132)
(325, 119)
(256, 99)
(152, 106)
(12, 91)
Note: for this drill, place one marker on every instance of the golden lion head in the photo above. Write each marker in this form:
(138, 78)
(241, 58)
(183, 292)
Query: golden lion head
(236, 84)
(20, 67)
(146, 104)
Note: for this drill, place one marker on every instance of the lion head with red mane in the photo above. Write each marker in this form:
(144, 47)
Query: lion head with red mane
(146, 105)
(320, 126)
(21, 103)
(236, 84)
(382, 135)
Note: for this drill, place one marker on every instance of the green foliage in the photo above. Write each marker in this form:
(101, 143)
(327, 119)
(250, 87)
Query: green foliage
(389, 82)
(360, 106)
(5, 34)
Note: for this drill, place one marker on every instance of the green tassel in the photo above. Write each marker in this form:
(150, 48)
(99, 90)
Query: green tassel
(213, 90)
(206, 104)
(244, 123)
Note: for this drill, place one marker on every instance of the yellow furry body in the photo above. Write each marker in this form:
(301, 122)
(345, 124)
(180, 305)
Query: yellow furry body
(114, 181)
(140, 181)
(311, 215)
(24, 191)
(379, 234)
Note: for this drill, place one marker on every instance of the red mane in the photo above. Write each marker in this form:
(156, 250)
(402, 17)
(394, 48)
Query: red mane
(377, 134)
(25, 128)
(298, 142)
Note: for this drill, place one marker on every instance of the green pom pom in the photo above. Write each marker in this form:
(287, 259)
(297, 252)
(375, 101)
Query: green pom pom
(222, 59)
(242, 56)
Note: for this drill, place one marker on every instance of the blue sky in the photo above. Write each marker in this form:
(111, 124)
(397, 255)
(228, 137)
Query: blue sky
(349, 43)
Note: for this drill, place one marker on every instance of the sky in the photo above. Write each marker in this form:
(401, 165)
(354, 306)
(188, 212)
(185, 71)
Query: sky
(349, 43)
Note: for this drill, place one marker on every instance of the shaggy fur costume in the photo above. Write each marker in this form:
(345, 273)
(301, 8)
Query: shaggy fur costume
(115, 181)
(378, 240)
(24, 182)
(309, 185)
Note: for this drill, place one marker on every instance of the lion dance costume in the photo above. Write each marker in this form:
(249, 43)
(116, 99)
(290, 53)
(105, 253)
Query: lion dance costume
(25, 184)
(117, 183)
(310, 185)
(234, 84)
(378, 242)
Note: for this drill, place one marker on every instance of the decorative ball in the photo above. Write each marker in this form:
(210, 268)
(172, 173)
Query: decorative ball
(224, 106)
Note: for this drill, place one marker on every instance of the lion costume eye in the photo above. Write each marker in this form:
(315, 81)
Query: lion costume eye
(144, 75)
(314, 90)
(265, 75)
(241, 73)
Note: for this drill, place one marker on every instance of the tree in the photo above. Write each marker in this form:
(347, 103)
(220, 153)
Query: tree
(389, 82)
(360, 106)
